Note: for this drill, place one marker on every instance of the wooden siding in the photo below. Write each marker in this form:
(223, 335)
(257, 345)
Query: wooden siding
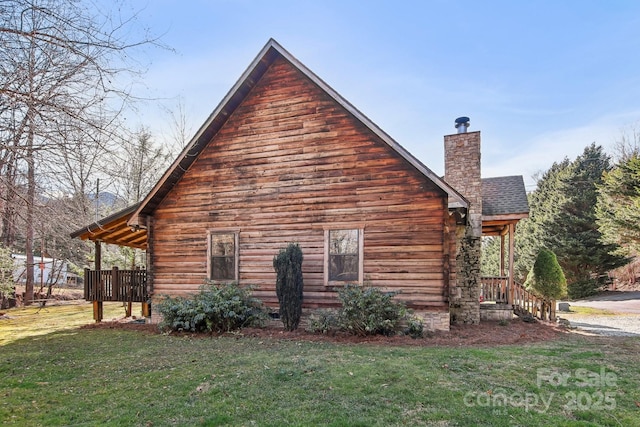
(289, 163)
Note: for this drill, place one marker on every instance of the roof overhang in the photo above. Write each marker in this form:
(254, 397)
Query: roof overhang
(115, 230)
(498, 225)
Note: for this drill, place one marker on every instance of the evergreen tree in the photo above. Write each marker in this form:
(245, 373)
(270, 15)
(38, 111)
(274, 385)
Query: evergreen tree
(546, 277)
(289, 285)
(574, 235)
(545, 206)
(562, 218)
(618, 207)
(490, 260)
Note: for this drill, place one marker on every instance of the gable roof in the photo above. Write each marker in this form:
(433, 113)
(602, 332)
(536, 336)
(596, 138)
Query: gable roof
(504, 195)
(269, 53)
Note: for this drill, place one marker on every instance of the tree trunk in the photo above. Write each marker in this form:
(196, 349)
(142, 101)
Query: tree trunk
(31, 197)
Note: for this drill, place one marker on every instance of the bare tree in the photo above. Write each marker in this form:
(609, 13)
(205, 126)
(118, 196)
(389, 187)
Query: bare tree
(628, 145)
(61, 62)
(180, 129)
(141, 163)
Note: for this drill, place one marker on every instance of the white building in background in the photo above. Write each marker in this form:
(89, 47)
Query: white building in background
(45, 270)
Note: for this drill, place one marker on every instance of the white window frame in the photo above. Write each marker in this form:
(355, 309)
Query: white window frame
(236, 250)
(360, 229)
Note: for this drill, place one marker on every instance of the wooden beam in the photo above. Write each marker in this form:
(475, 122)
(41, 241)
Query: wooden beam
(512, 232)
(98, 311)
(146, 309)
(98, 255)
(502, 255)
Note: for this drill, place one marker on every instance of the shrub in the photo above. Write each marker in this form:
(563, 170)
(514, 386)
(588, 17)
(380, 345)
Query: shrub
(323, 322)
(289, 284)
(369, 311)
(215, 308)
(583, 288)
(546, 278)
(415, 327)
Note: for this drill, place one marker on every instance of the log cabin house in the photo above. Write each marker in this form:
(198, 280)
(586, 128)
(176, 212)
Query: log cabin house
(284, 158)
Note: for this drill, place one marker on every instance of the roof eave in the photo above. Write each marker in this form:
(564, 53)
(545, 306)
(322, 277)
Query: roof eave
(97, 225)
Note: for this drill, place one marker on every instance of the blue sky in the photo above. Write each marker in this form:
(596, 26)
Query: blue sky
(540, 79)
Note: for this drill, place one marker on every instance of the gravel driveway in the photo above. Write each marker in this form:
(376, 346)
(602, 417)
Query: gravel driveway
(626, 321)
(616, 325)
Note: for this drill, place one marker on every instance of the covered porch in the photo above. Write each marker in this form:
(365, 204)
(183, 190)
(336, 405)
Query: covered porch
(504, 204)
(115, 285)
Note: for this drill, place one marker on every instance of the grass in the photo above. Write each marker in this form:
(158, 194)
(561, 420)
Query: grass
(35, 321)
(590, 311)
(115, 377)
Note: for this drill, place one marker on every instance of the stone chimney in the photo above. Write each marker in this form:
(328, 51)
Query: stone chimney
(462, 169)
(462, 172)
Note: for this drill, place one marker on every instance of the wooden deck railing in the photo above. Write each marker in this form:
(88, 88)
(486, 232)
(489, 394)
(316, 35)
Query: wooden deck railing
(498, 290)
(115, 285)
(494, 289)
(526, 302)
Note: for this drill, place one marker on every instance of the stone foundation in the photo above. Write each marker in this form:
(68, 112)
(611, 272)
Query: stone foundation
(434, 320)
(496, 312)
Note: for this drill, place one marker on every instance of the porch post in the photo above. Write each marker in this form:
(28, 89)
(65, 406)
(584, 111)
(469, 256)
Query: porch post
(98, 310)
(502, 254)
(512, 230)
(115, 284)
(98, 253)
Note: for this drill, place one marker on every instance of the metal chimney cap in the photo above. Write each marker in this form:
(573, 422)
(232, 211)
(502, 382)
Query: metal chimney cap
(462, 123)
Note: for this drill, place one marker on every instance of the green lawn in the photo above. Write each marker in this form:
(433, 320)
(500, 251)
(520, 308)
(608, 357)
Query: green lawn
(69, 376)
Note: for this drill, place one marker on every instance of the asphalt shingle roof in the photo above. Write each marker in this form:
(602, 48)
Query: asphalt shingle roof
(504, 195)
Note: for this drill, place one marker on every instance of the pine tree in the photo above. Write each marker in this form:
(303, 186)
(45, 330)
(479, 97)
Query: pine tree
(562, 218)
(545, 206)
(618, 207)
(289, 285)
(546, 277)
(490, 260)
(574, 235)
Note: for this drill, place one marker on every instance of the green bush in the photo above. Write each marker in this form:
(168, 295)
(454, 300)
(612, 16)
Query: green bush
(215, 308)
(415, 327)
(289, 284)
(369, 311)
(583, 288)
(546, 278)
(323, 322)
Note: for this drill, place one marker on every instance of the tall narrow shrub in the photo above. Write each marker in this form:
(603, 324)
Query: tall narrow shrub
(288, 267)
(546, 277)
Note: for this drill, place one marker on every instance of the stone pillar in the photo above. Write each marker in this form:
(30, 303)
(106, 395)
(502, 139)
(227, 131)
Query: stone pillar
(464, 301)
(462, 172)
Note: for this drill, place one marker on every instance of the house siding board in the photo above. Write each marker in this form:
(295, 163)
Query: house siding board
(289, 162)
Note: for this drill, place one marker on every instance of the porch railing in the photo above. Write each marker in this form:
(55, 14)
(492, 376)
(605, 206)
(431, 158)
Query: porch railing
(494, 289)
(526, 302)
(498, 290)
(115, 285)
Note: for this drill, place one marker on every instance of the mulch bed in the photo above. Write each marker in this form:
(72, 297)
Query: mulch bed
(485, 334)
